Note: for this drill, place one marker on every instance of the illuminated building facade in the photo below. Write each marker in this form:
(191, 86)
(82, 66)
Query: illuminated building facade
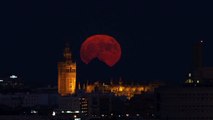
(122, 90)
(67, 74)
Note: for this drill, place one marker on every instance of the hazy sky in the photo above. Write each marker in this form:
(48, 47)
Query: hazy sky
(156, 38)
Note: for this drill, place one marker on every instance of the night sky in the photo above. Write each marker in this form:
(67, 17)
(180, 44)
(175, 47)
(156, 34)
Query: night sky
(156, 38)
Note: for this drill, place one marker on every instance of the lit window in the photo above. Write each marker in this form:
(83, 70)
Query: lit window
(77, 111)
(190, 74)
(13, 76)
(33, 111)
(69, 112)
(77, 119)
(53, 114)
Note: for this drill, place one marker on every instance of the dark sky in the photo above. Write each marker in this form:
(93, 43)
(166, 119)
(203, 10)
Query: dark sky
(156, 37)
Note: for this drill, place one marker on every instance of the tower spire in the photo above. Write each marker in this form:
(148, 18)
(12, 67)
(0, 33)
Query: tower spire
(67, 53)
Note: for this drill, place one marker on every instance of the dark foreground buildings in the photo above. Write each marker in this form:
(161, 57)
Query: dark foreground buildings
(185, 103)
(194, 99)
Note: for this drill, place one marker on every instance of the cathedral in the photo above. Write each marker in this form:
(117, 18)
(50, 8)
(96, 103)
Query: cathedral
(67, 81)
(67, 74)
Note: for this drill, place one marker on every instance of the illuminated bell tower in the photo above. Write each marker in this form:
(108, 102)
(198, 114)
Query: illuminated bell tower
(67, 74)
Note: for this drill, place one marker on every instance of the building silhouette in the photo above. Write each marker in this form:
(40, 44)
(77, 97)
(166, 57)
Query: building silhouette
(193, 100)
(201, 74)
(185, 103)
(67, 74)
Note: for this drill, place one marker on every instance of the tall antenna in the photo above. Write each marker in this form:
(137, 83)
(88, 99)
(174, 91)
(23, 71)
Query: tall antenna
(198, 55)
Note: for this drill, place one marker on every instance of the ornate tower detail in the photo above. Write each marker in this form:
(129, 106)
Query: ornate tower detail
(67, 74)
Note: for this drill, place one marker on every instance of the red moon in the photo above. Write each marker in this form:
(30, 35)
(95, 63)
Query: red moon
(103, 47)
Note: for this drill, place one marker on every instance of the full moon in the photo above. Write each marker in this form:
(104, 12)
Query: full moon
(103, 47)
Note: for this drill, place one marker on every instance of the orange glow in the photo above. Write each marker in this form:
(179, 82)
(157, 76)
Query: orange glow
(122, 90)
(66, 75)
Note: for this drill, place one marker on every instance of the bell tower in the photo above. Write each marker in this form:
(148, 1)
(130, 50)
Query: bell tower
(67, 74)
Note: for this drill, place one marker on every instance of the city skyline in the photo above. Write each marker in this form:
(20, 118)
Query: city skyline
(155, 43)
